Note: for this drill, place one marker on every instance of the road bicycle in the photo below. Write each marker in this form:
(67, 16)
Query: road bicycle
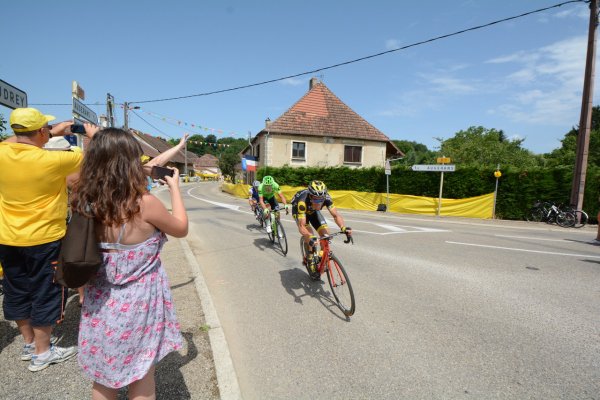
(277, 232)
(328, 263)
(258, 214)
(581, 217)
(545, 211)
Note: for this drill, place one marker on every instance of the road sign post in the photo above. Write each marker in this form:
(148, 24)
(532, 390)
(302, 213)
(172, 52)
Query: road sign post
(437, 168)
(81, 112)
(388, 172)
(12, 97)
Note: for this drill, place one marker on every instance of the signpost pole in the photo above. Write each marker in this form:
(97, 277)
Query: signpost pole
(388, 172)
(497, 174)
(442, 161)
(440, 197)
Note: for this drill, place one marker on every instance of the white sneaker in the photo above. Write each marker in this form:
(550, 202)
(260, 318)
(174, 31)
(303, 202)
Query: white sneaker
(54, 356)
(29, 349)
(268, 229)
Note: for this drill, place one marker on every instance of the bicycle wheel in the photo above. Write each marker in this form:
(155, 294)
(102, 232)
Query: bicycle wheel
(273, 232)
(340, 286)
(536, 215)
(261, 218)
(281, 238)
(581, 218)
(566, 219)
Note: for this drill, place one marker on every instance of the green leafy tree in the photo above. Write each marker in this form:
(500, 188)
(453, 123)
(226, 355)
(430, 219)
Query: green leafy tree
(567, 153)
(227, 163)
(414, 153)
(229, 154)
(195, 144)
(482, 147)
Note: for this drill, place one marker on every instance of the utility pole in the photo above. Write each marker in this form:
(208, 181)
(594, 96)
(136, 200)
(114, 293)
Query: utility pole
(583, 137)
(125, 121)
(110, 101)
(185, 171)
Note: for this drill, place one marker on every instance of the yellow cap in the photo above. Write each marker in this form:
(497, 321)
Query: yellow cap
(28, 119)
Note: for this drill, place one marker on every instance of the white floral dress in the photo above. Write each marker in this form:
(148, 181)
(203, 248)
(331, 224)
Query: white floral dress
(128, 320)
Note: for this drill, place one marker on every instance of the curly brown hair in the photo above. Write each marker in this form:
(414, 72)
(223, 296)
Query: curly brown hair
(112, 180)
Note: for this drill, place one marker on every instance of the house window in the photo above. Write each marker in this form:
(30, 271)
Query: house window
(353, 154)
(298, 150)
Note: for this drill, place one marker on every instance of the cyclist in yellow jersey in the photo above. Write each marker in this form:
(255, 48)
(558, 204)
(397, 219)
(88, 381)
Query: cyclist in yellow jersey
(306, 210)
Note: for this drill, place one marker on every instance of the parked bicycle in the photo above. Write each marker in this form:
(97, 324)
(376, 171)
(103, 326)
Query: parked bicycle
(277, 232)
(581, 217)
(338, 279)
(545, 211)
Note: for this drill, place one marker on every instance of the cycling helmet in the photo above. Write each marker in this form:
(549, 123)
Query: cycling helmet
(256, 184)
(317, 188)
(268, 180)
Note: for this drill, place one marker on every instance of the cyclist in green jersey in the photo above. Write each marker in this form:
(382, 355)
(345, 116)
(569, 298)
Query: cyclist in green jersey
(266, 196)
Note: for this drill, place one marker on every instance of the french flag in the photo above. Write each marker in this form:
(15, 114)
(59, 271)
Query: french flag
(250, 162)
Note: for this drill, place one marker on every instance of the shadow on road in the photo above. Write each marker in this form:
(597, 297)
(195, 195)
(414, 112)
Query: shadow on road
(297, 281)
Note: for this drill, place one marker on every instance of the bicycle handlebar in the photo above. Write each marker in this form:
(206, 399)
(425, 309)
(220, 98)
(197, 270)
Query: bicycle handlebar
(331, 235)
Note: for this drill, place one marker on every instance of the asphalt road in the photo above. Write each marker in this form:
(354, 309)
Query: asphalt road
(446, 308)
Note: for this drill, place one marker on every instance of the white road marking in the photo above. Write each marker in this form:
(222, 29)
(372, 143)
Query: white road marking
(532, 238)
(523, 250)
(224, 205)
(395, 229)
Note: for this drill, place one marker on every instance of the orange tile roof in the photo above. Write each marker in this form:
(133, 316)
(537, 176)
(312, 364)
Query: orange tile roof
(321, 113)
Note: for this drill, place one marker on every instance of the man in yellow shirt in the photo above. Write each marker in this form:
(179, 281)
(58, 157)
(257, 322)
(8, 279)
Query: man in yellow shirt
(33, 210)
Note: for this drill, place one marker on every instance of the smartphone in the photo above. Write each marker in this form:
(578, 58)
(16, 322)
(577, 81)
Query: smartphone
(161, 172)
(77, 128)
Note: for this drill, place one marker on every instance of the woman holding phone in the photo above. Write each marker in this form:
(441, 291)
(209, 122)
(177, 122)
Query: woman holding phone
(128, 321)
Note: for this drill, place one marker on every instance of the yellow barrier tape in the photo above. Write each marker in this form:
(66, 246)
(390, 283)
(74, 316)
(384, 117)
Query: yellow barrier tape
(472, 207)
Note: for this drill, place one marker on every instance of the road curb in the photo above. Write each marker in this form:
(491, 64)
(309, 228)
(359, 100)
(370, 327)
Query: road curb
(226, 377)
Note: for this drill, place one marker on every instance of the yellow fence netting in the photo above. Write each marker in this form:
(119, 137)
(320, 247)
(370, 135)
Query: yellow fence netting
(472, 207)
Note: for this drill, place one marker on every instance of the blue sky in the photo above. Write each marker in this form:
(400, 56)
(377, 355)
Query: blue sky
(524, 76)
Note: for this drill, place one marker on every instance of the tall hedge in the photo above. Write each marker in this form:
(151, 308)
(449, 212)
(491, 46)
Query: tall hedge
(517, 189)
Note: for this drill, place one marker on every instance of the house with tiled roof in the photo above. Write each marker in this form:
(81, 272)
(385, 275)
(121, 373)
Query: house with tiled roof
(153, 146)
(319, 130)
(207, 164)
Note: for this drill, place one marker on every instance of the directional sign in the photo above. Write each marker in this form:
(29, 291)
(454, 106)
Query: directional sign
(434, 168)
(12, 97)
(82, 111)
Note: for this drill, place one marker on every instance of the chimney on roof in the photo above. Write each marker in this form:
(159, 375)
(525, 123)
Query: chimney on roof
(312, 83)
(267, 122)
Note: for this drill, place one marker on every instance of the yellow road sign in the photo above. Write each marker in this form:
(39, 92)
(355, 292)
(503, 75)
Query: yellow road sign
(443, 160)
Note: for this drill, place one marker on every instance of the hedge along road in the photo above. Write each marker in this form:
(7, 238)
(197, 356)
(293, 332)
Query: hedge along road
(445, 307)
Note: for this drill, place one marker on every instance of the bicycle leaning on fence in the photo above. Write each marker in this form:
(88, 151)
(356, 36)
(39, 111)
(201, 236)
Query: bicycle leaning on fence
(328, 263)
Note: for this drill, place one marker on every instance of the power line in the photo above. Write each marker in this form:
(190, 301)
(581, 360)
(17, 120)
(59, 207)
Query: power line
(342, 63)
(140, 117)
(361, 58)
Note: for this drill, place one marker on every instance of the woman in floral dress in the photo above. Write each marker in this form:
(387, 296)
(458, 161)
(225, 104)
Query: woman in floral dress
(128, 321)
